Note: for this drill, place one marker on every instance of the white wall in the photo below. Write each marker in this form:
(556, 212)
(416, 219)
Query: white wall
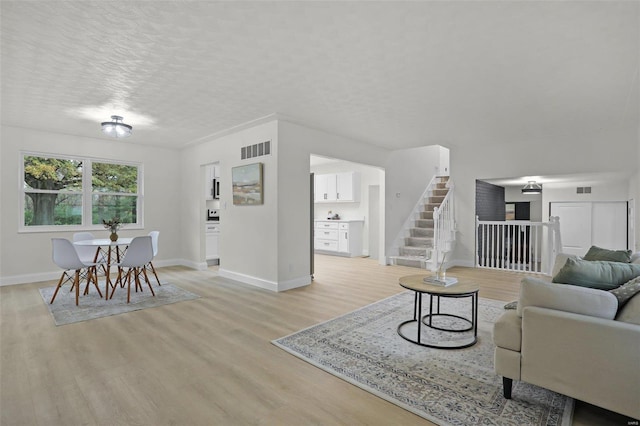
(26, 257)
(407, 174)
(248, 234)
(608, 190)
(269, 245)
(351, 211)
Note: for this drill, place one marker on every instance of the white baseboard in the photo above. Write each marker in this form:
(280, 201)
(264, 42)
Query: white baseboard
(55, 275)
(266, 284)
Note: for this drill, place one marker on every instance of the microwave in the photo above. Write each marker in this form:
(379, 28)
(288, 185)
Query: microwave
(215, 189)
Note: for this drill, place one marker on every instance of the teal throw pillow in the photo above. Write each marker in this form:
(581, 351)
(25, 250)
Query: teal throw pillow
(597, 253)
(596, 274)
(626, 291)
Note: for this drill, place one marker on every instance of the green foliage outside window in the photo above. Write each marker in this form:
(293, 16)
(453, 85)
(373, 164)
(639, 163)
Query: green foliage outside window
(54, 193)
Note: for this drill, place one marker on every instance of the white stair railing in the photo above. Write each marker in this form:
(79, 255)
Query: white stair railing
(514, 245)
(444, 227)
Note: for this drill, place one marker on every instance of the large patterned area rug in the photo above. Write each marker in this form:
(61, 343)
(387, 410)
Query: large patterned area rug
(447, 387)
(92, 306)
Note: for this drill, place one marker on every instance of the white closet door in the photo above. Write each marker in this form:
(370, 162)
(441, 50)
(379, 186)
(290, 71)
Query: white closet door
(575, 226)
(609, 225)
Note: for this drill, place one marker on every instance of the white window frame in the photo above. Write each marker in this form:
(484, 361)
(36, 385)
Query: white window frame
(87, 194)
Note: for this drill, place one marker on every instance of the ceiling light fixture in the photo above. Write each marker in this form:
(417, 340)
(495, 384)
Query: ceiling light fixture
(532, 188)
(116, 128)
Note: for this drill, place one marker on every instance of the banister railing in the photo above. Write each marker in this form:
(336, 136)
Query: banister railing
(444, 225)
(517, 245)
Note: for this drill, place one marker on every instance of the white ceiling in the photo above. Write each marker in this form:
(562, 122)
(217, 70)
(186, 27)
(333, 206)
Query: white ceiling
(395, 74)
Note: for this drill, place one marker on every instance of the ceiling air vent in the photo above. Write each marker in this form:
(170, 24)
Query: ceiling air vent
(583, 190)
(255, 150)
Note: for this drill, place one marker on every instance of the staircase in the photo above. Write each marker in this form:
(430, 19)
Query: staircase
(429, 231)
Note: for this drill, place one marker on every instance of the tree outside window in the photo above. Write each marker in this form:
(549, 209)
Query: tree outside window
(76, 192)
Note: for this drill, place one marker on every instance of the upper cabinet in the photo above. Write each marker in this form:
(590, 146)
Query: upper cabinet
(212, 171)
(337, 187)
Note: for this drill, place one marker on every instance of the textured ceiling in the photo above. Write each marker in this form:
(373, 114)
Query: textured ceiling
(395, 74)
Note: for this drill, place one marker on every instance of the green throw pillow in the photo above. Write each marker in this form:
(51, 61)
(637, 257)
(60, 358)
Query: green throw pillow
(511, 305)
(596, 274)
(597, 253)
(626, 291)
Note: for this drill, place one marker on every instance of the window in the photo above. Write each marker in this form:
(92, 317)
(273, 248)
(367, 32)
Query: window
(78, 193)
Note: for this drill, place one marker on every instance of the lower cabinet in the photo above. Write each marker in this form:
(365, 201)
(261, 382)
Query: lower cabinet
(338, 237)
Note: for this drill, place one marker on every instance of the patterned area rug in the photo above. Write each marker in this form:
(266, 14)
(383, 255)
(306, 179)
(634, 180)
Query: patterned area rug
(92, 306)
(447, 387)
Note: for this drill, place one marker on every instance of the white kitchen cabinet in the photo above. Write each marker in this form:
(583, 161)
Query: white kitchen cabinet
(338, 237)
(212, 237)
(337, 187)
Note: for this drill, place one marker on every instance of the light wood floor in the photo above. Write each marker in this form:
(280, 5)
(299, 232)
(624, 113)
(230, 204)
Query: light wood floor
(207, 361)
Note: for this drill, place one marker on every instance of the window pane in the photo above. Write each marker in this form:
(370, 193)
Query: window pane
(114, 178)
(56, 174)
(107, 207)
(52, 209)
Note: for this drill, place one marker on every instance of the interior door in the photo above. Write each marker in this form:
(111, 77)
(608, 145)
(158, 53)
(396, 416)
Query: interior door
(575, 226)
(609, 225)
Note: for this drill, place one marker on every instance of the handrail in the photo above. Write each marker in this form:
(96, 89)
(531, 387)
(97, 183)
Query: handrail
(444, 224)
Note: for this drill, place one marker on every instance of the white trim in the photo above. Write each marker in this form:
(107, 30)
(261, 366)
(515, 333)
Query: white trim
(268, 285)
(248, 279)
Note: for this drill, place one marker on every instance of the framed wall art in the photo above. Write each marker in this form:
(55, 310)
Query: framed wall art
(247, 184)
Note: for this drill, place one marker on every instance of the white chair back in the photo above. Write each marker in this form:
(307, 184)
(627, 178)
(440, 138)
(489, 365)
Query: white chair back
(154, 241)
(138, 254)
(65, 255)
(86, 253)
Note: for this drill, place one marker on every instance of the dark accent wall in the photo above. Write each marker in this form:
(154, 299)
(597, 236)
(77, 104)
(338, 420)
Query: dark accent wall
(489, 201)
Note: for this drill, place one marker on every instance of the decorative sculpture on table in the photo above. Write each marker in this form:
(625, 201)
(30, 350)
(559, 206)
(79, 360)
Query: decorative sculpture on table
(113, 225)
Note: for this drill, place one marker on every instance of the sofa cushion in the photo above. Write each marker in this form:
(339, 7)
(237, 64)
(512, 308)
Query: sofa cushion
(626, 291)
(507, 331)
(596, 274)
(635, 257)
(598, 253)
(568, 298)
(630, 312)
(561, 259)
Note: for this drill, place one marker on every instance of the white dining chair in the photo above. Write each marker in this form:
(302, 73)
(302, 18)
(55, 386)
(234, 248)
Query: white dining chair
(154, 243)
(66, 257)
(137, 256)
(89, 253)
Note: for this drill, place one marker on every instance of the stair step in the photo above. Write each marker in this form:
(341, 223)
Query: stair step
(426, 215)
(429, 206)
(442, 185)
(412, 261)
(443, 178)
(419, 241)
(424, 223)
(436, 199)
(439, 192)
(421, 232)
(414, 251)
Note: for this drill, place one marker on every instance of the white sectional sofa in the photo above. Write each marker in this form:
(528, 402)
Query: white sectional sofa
(572, 340)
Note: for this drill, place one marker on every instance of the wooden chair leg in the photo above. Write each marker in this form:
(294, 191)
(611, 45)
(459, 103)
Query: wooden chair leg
(154, 273)
(55, 293)
(77, 285)
(129, 286)
(94, 274)
(146, 278)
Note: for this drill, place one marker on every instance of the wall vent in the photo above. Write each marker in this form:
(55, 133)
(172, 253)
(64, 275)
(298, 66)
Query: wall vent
(583, 190)
(255, 150)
